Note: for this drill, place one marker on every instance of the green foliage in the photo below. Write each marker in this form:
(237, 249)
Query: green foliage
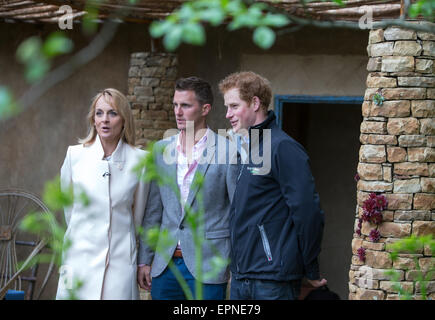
(218, 263)
(186, 24)
(46, 226)
(395, 277)
(72, 293)
(264, 37)
(153, 236)
(90, 20)
(160, 240)
(36, 55)
(378, 99)
(412, 245)
(424, 8)
(54, 197)
(57, 44)
(8, 106)
(30, 54)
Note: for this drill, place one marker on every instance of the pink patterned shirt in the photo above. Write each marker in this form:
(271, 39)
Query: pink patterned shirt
(186, 172)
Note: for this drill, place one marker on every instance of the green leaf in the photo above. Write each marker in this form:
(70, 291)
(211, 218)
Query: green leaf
(55, 198)
(424, 8)
(275, 20)
(193, 33)
(427, 9)
(8, 106)
(244, 20)
(172, 39)
(89, 22)
(37, 69)
(235, 8)
(198, 180)
(339, 2)
(56, 44)
(160, 28)
(154, 236)
(217, 265)
(213, 15)
(264, 37)
(84, 199)
(257, 8)
(186, 12)
(29, 49)
(414, 9)
(33, 223)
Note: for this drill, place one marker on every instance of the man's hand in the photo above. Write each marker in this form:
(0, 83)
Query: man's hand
(144, 277)
(309, 285)
(317, 283)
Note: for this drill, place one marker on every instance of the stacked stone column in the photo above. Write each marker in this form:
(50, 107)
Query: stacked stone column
(151, 80)
(396, 159)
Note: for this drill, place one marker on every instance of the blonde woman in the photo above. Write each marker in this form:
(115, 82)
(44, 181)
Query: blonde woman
(102, 254)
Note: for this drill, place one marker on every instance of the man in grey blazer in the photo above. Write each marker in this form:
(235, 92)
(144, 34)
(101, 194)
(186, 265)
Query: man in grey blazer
(196, 148)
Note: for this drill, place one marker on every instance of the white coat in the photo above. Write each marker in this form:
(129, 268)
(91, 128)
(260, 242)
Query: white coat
(103, 236)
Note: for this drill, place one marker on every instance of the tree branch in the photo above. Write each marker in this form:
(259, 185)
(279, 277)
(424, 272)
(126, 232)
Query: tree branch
(66, 70)
(417, 25)
(63, 72)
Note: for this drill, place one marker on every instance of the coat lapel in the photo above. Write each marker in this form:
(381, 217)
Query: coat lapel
(96, 149)
(118, 156)
(202, 167)
(170, 170)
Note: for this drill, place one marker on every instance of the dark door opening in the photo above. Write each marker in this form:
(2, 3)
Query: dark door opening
(330, 134)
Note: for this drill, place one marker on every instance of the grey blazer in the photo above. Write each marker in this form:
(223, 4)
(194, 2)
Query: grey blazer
(164, 209)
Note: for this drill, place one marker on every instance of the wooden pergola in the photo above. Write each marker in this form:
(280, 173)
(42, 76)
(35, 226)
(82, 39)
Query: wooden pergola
(145, 11)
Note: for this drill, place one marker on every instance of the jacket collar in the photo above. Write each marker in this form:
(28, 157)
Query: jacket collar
(269, 123)
(266, 124)
(118, 156)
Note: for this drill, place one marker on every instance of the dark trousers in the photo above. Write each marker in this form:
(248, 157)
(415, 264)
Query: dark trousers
(166, 286)
(254, 289)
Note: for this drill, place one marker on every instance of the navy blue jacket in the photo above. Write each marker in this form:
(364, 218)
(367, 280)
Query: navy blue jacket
(276, 222)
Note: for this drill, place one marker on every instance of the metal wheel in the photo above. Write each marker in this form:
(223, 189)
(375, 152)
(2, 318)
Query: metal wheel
(16, 245)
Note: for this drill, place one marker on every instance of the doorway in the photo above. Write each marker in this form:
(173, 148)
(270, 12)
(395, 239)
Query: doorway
(329, 129)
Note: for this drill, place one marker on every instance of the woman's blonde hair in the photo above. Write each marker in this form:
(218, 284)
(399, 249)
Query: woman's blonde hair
(119, 102)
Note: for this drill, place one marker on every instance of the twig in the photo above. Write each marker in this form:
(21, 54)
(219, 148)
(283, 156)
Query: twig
(425, 26)
(63, 72)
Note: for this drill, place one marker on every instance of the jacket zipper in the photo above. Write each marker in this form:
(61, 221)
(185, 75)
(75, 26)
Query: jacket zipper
(265, 241)
(232, 242)
(234, 217)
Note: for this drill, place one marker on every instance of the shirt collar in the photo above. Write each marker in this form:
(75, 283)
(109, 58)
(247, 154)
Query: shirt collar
(197, 145)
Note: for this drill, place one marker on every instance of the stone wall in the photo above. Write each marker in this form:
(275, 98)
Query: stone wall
(397, 160)
(151, 80)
